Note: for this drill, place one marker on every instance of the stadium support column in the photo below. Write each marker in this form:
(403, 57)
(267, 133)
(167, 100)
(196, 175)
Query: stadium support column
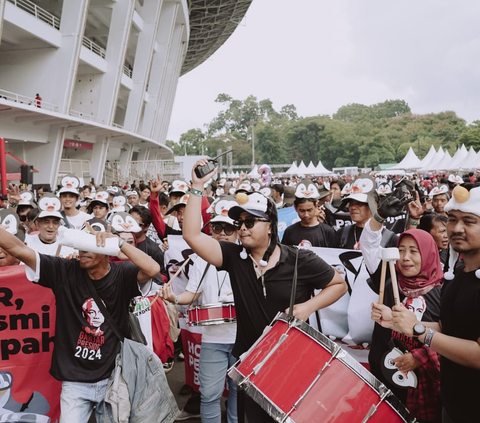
(166, 27)
(143, 61)
(72, 26)
(120, 25)
(99, 158)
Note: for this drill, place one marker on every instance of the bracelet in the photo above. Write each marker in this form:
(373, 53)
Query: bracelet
(412, 222)
(196, 192)
(378, 218)
(176, 299)
(429, 336)
(121, 243)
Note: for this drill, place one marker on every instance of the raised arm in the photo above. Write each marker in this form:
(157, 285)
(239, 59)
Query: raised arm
(12, 245)
(205, 246)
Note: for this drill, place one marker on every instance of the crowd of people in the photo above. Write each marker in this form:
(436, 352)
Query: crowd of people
(233, 227)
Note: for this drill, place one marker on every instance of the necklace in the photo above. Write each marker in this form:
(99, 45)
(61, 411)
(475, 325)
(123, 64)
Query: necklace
(356, 246)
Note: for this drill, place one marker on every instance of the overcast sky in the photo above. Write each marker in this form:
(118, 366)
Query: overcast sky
(320, 55)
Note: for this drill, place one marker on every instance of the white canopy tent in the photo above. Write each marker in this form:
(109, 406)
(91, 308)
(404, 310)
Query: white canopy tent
(459, 156)
(410, 161)
(429, 157)
(442, 164)
(254, 173)
(433, 162)
(311, 169)
(302, 169)
(470, 162)
(321, 170)
(293, 169)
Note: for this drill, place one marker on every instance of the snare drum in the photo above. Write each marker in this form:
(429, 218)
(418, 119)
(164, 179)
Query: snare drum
(211, 314)
(299, 375)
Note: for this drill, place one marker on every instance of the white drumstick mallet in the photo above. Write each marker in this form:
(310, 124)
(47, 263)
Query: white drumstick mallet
(389, 255)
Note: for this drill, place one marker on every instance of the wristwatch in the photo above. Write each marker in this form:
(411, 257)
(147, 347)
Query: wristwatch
(419, 329)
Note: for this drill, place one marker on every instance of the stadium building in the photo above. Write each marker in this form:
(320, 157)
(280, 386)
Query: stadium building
(87, 86)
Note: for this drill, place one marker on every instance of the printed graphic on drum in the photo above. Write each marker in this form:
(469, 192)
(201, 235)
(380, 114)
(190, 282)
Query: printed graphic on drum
(211, 314)
(298, 375)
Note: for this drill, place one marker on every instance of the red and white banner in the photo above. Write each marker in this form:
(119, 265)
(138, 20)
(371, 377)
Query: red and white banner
(27, 322)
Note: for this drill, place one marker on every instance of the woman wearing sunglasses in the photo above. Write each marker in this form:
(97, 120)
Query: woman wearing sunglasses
(261, 270)
(208, 285)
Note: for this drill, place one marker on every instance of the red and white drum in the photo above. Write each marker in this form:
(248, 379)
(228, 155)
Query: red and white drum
(299, 375)
(211, 314)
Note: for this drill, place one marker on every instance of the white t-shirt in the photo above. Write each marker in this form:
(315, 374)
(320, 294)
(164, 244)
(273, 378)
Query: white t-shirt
(76, 222)
(34, 242)
(215, 288)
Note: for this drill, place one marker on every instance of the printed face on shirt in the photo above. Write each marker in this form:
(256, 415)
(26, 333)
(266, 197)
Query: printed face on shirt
(92, 313)
(416, 305)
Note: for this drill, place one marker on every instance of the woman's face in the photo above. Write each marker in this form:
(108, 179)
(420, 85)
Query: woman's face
(439, 234)
(410, 262)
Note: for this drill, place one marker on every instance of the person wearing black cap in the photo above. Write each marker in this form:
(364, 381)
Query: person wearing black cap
(261, 270)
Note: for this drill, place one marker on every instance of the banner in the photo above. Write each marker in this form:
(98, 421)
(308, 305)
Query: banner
(27, 322)
(192, 345)
(349, 317)
(286, 217)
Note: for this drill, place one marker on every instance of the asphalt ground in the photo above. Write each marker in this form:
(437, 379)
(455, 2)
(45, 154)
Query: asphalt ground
(176, 379)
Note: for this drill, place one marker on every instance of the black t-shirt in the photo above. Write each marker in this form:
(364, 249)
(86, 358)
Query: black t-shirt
(382, 336)
(254, 310)
(314, 236)
(460, 317)
(85, 345)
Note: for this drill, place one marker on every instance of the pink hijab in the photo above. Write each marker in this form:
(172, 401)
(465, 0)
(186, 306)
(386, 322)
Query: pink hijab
(431, 273)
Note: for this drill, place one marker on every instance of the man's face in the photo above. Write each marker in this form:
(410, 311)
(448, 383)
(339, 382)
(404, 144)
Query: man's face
(359, 212)
(89, 260)
(133, 200)
(99, 211)
(335, 192)
(180, 212)
(306, 212)
(439, 234)
(463, 231)
(223, 227)
(256, 236)
(48, 227)
(68, 200)
(439, 202)
(138, 218)
(7, 259)
(174, 199)
(129, 239)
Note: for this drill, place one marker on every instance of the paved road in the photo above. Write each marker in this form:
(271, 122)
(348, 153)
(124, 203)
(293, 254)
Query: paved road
(176, 379)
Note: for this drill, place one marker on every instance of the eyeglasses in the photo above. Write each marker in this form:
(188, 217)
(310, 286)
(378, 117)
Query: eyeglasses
(249, 222)
(217, 228)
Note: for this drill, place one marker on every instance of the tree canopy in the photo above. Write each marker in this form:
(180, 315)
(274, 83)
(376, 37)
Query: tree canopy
(356, 135)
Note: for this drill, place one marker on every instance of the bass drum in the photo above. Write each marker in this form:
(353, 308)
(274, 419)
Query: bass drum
(296, 374)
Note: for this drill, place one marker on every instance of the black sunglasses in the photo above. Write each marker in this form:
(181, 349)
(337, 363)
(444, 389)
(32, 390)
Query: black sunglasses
(22, 218)
(217, 228)
(249, 222)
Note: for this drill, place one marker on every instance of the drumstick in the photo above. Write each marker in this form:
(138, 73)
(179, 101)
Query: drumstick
(171, 280)
(383, 276)
(393, 276)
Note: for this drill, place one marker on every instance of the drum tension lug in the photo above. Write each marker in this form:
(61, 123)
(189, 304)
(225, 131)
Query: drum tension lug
(385, 393)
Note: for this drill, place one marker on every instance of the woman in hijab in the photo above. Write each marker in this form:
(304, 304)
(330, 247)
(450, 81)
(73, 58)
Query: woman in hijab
(396, 359)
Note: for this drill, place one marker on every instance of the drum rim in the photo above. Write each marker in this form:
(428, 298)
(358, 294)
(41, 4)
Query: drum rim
(330, 346)
(212, 322)
(211, 305)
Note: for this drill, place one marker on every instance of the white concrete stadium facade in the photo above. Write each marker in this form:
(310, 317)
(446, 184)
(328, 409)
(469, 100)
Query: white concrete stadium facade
(107, 72)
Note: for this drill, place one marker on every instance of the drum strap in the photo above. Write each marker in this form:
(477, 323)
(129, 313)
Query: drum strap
(294, 287)
(201, 280)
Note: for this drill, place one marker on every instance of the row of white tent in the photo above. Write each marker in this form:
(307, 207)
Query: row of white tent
(463, 161)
